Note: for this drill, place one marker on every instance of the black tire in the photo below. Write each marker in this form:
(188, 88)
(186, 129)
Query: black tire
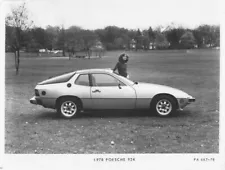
(164, 106)
(68, 107)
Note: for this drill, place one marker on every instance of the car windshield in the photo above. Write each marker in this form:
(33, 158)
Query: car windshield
(125, 79)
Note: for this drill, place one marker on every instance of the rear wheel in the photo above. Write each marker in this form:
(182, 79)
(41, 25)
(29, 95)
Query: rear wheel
(68, 107)
(164, 105)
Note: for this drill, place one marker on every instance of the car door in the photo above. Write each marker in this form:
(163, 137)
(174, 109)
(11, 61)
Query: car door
(107, 92)
(82, 90)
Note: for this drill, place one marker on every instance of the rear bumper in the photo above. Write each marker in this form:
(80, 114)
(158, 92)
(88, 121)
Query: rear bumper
(45, 102)
(35, 100)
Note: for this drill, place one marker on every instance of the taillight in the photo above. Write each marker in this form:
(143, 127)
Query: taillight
(36, 92)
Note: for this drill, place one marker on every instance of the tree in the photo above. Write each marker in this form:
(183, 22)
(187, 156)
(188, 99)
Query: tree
(207, 35)
(89, 38)
(139, 40)
(119, 43)
(216, 36)
(146, 40)
(78, 39)
(39, 36)
(114, 37)
(173, 36)
(10, 40)
(151, 35)
(198, 37)
(33, 45)
(52, 34)
(187, 40)
(101, 33)
(61, 40)
(111, 33)
(73, 39)
(160, 40)
(31, 40)
(18, 20)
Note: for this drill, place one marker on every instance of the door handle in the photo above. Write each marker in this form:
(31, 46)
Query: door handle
(119, 86)
(96, 91)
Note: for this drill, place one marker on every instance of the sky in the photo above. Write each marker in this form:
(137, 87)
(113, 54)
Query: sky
(131, 14)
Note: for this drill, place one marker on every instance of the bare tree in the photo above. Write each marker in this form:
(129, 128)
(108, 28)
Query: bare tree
(61, 39)
(18, 20)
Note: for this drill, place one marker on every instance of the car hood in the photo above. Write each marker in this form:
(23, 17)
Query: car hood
(156, 89)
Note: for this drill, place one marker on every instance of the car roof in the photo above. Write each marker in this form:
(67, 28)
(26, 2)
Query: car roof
(95, 70)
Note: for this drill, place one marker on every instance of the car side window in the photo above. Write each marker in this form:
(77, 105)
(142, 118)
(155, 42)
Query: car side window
(82, 80)
(105, 80)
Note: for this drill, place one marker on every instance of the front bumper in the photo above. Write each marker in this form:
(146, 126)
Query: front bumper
(191, 100)
(35, 100)
(185, 101)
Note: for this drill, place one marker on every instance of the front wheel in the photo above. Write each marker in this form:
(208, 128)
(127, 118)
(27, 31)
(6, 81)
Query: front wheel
(68, 107)
(164, 106)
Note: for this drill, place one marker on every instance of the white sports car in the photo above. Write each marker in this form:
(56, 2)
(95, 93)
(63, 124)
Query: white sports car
(103, 89)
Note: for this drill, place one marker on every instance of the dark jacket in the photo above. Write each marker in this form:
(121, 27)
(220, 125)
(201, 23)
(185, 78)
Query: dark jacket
(122, 69)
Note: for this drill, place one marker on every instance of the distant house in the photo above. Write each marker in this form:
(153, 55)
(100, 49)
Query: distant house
(44, 51)
(152, 45)
(97, 49)
(132, 44)
(97, 46)
(41, 50)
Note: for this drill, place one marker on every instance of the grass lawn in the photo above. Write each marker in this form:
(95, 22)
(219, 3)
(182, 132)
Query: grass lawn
(34, 129)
